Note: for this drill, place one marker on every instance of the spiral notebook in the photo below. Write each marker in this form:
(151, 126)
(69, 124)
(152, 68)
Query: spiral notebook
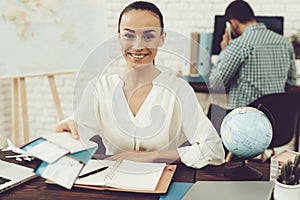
(127, 176)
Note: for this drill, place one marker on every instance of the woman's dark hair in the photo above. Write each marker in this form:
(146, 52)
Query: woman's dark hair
(239, 10)
(143, 5)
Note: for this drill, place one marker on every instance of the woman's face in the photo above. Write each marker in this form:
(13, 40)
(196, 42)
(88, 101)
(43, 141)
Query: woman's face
(140, 36)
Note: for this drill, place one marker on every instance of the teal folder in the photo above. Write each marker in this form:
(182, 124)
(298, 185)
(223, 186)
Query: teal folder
(176, 191)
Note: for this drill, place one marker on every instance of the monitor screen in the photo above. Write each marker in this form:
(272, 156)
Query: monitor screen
(274, 23)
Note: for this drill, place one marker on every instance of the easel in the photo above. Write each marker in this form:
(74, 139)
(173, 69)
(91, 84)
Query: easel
(19, 88)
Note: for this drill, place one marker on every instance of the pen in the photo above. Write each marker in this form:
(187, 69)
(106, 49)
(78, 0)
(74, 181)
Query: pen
(93, 172)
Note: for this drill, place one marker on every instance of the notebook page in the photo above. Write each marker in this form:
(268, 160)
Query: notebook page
(137, 175)
(97, 179)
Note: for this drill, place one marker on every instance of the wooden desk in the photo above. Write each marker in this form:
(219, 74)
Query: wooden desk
(219, 97)
(203, 88)
(215, 173)
(38, 189)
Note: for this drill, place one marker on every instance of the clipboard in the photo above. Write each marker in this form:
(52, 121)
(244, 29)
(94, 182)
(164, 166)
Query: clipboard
(161, 188)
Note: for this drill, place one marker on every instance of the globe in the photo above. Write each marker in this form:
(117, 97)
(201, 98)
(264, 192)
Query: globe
(246, 132)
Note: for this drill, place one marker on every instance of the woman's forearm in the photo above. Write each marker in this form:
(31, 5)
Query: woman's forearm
(168, 156)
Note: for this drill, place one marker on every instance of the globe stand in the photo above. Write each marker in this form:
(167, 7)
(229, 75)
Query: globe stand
(243, 172)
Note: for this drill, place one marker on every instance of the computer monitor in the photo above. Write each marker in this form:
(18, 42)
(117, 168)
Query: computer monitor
(274, 23)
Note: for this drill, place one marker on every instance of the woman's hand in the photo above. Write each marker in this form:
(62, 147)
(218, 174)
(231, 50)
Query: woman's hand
(69, 126)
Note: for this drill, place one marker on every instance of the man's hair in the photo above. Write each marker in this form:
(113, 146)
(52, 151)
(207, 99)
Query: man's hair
(142, 5)
(239, 10)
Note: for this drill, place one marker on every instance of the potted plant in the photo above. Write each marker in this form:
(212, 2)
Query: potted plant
(287, 185)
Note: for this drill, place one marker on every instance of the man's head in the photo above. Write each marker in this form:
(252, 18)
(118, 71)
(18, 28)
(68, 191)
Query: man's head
(240, 15)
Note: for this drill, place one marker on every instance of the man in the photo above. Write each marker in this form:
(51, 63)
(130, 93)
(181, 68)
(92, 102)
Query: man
(257, 62)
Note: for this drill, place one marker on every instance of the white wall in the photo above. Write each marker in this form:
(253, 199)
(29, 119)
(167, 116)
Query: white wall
(183, 16)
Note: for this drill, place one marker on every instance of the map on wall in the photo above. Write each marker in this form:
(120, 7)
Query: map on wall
(48, 35)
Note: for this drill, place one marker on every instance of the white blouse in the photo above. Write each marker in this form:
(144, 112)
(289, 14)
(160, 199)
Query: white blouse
(169, 116)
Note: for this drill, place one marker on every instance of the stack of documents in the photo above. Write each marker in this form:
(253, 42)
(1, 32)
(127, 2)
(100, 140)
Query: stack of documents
(63, 157)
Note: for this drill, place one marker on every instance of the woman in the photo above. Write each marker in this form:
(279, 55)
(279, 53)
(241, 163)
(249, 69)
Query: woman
(142, 113)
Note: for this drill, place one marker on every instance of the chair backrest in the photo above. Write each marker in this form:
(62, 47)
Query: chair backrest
(284, 108)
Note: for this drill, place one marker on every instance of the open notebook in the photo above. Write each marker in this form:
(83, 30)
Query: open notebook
(127, 176)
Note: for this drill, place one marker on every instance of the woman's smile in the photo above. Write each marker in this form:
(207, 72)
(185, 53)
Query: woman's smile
(138, 56)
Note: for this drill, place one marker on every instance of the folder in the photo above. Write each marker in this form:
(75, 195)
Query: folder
(62, 157)
(65, 170)
(51, 147)
(204, 53)
(161, 187)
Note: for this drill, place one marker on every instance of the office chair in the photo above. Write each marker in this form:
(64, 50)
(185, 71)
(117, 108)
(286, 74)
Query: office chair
(283, 110)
